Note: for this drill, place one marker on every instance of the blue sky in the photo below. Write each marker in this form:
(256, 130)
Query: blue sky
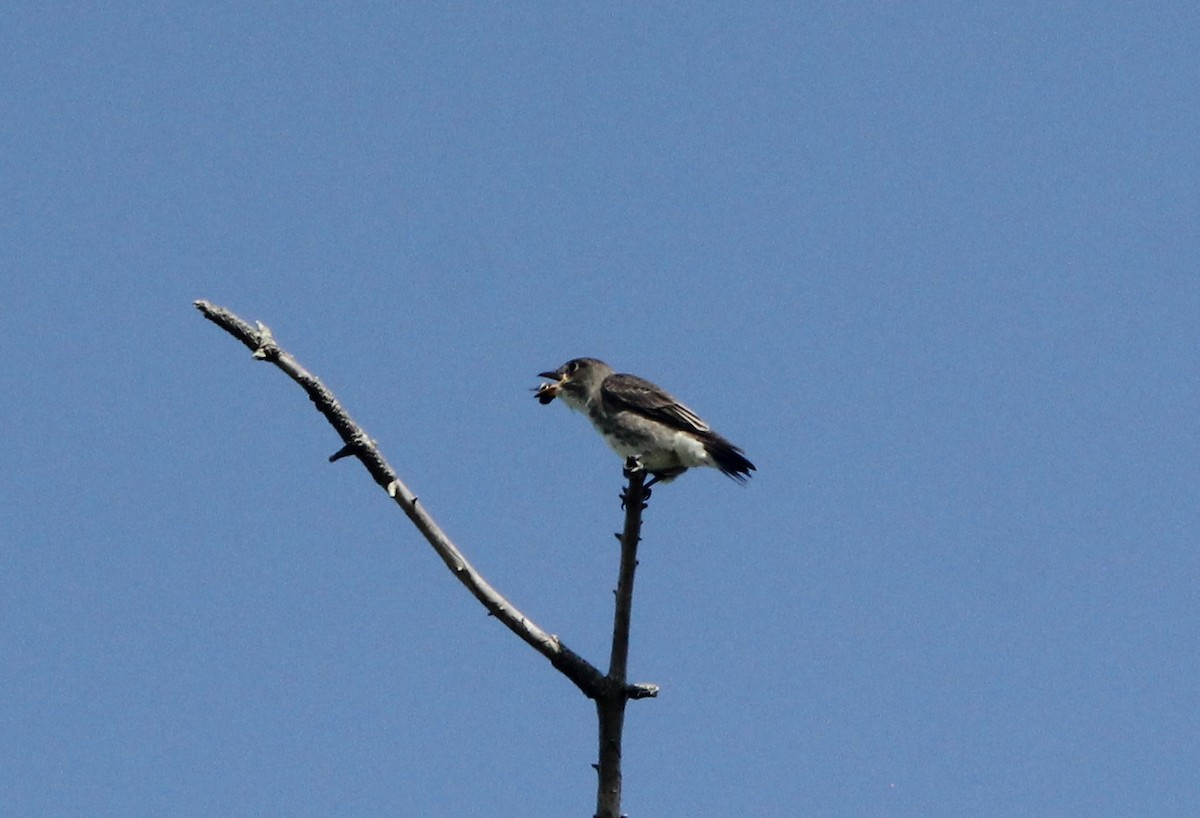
(932, 265)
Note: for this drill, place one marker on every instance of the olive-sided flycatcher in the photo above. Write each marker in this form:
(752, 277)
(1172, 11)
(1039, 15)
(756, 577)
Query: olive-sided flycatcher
(641, 420)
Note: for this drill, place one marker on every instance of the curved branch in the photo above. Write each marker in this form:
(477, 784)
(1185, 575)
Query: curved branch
(258, 338)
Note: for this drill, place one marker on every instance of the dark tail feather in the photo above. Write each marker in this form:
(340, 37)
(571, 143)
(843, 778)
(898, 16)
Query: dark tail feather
(729, 458)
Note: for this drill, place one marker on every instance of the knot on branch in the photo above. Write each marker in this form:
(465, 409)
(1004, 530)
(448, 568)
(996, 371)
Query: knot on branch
(358, 443)
(267, 349)
(642, 505)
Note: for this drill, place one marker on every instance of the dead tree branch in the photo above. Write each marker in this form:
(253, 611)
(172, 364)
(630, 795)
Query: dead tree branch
(610, 691)
(610, 707)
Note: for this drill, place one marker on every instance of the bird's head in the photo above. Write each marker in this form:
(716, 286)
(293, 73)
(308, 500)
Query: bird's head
(573, 380)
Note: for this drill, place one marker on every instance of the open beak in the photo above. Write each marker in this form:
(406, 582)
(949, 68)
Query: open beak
(547, 392)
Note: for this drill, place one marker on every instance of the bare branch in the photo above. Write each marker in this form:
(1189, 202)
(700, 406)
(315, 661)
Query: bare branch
(611, 692)
(259, 339)
(610, 708)
(633, 499)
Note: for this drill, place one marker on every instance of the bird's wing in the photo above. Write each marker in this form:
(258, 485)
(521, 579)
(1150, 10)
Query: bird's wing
(639, 395)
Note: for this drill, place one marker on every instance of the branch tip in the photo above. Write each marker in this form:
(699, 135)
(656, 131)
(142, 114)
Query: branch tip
(345, 451)
(642, 691)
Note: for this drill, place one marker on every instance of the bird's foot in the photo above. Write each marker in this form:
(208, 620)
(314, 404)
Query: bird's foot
(633, 467)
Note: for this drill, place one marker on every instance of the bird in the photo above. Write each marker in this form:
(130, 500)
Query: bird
(641, 420)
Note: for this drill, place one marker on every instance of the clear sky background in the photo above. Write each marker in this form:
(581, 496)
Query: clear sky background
(932, 265)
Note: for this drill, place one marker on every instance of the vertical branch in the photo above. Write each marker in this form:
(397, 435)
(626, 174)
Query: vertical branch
(634, 499)
(610, 706)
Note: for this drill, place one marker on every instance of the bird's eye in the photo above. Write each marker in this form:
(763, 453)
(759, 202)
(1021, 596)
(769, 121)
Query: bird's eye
(572, 366)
